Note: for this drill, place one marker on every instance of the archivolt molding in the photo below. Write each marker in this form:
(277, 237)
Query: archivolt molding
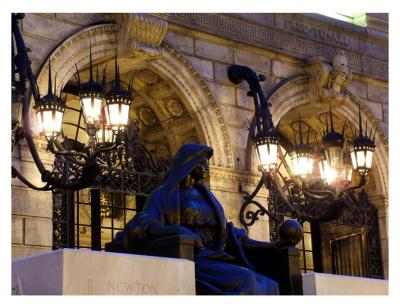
(293, 92)
(69, 53)
(203, 103)
(170, 64)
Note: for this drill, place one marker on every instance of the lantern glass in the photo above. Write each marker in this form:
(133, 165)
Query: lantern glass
(302, 164)
(118, 114)
(104, 135)
(353, 160)
(335, 156)
(360, 159)
(92, 109)
(368, 162)
(49, 125)
(267, 155)
(322, 168)
(348, 172)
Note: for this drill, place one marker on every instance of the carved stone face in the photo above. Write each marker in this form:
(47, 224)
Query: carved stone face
(340, 78)
(199, 172)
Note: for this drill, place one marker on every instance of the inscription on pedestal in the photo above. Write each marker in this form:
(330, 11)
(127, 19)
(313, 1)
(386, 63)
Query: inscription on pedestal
(113, 287)
(78, 272)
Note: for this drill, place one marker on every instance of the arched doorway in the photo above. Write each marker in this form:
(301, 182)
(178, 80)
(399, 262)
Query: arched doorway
(172, 106)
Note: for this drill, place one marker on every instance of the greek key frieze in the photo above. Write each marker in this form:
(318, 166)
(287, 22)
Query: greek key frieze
(312, 42)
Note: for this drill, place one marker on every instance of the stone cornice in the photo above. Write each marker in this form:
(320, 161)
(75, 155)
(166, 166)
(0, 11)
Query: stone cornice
(291, 37)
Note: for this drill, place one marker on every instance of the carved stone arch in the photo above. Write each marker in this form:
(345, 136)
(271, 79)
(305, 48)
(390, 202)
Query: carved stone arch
(201, 103)
(170, 64)
(294, 92)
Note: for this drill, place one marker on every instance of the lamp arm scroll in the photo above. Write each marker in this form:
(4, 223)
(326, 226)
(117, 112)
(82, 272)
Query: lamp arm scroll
(25, 72)
(70, 154)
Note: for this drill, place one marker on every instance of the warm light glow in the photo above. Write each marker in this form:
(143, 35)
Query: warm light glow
(331, 175)
(334, 175)
(360, 158)
(118, 115)
(353, 160)
(302, 165)
(104, 135)
(49, 125)
(92, 109)
(368, 163)
(267, 155)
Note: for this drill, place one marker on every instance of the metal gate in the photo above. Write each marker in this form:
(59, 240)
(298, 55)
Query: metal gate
(89, 218)
(349, 255)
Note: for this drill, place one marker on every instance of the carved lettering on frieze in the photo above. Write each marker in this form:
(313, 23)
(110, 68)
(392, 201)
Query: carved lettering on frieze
(333, 37)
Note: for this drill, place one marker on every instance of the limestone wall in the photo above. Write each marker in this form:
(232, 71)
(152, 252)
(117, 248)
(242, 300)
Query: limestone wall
(31, 209)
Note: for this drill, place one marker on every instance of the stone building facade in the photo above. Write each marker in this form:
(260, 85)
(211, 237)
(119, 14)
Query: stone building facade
(183, 94)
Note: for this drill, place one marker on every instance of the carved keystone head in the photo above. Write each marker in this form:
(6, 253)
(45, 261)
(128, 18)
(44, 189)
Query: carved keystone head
(339, 62)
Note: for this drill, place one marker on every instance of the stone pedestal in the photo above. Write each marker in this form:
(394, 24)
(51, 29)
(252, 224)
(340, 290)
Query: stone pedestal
(328, 284)
(84, 272)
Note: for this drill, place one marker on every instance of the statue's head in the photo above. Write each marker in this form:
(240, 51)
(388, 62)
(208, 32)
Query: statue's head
(199, 172)
(190, 160)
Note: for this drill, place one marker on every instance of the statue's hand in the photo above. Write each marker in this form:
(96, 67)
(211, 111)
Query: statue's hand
(187, 233)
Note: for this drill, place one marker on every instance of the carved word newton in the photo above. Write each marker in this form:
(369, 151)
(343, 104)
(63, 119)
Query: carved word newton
(130, 287)
(121, 287)
(325, 35)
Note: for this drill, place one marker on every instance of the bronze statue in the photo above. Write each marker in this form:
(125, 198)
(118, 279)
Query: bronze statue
(183, 205)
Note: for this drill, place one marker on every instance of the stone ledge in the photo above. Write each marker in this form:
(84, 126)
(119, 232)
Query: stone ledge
(329, 284)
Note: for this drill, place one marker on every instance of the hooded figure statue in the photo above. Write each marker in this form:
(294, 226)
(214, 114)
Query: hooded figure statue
(183, 205)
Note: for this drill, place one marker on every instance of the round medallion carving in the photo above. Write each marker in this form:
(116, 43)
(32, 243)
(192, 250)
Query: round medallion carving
(174, 107)
(147, 116)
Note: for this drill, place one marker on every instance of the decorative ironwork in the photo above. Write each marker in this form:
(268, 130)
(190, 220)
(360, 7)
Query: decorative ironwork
(129, 169)
(60, 223)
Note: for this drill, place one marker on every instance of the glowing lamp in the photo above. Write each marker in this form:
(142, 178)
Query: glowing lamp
(49, 112)
(118, 102)
(302, 160)
(267, 152)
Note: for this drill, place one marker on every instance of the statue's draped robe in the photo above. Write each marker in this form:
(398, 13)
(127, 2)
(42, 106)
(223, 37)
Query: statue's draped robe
(222, 269)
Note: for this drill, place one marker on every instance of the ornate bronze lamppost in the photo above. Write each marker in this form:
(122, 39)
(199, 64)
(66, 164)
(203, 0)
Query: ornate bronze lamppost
(105, 113)
(298, 191)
